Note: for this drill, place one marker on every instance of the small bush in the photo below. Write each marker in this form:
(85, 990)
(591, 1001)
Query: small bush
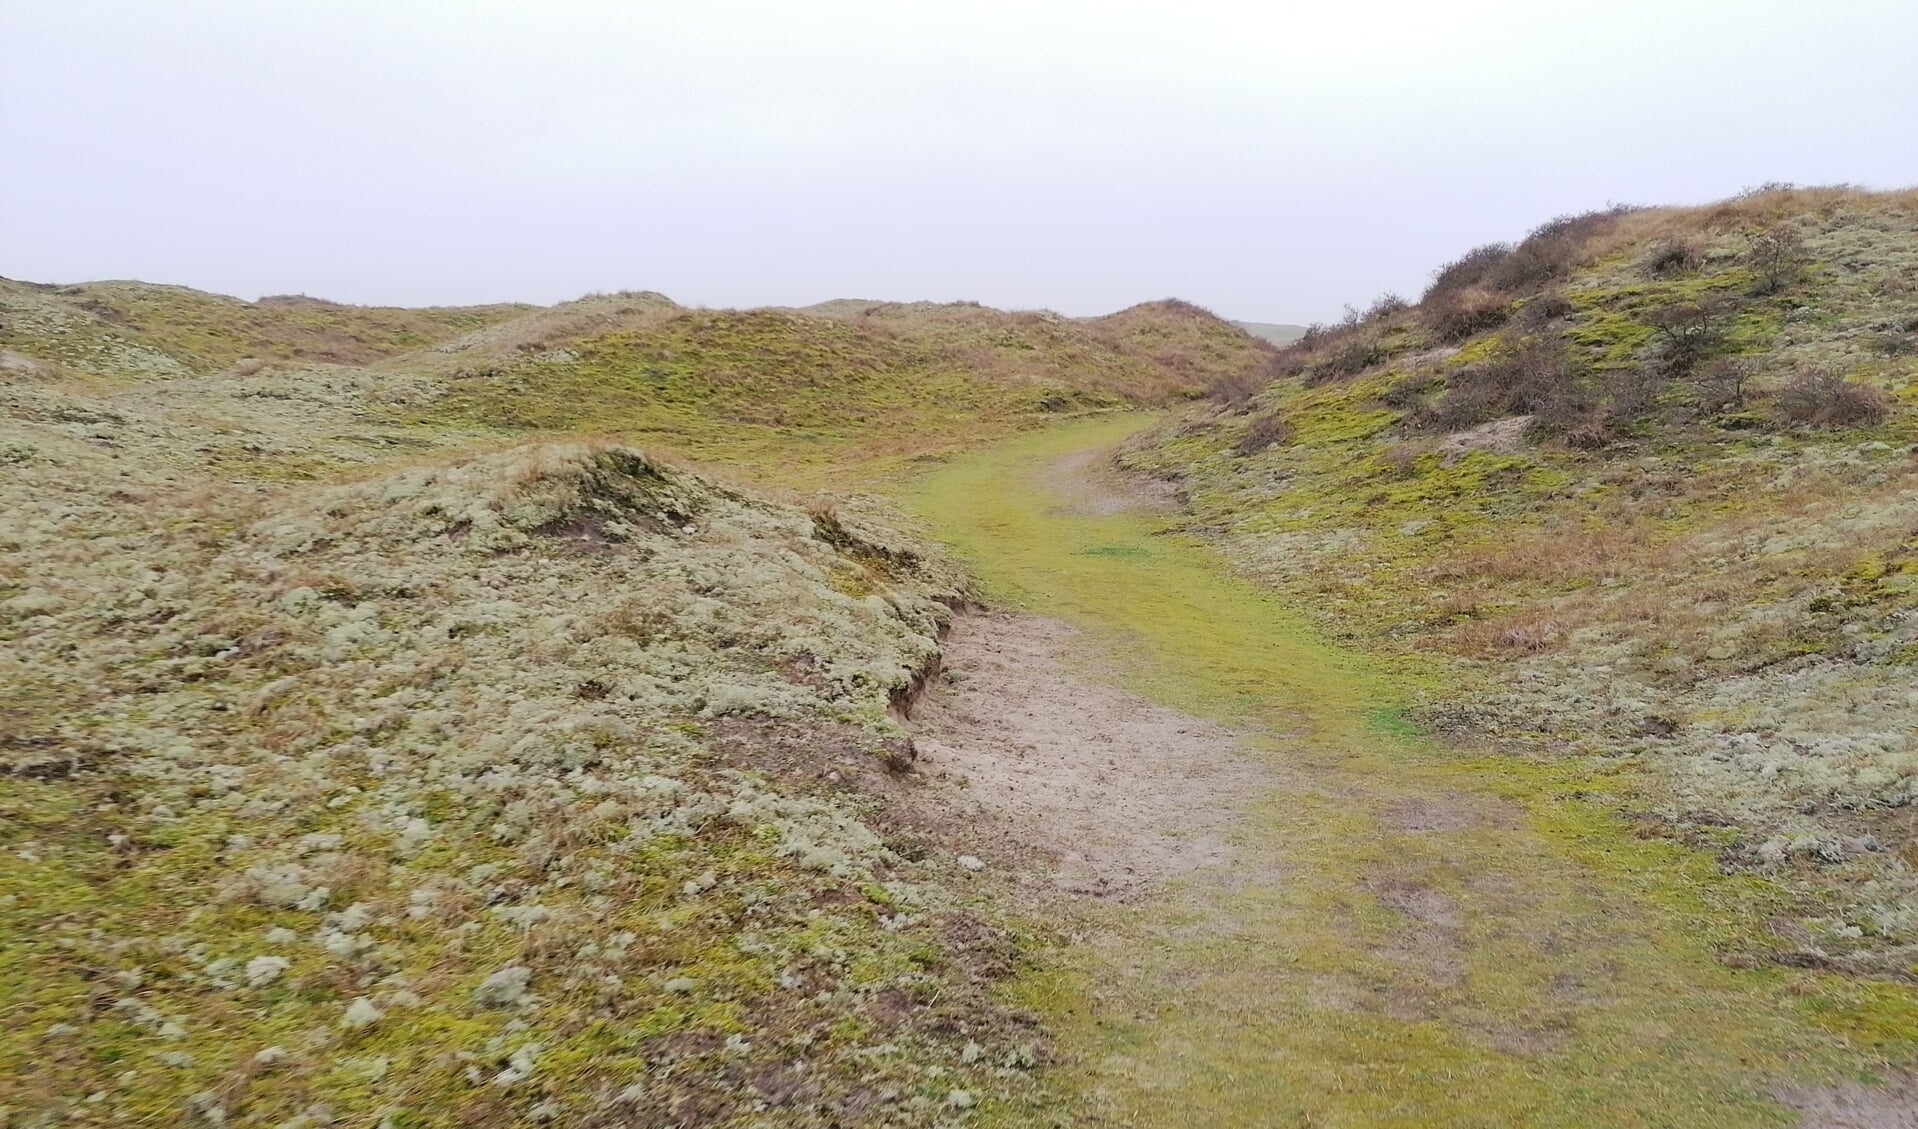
(1264, 431)
(1236, 389)
(1823, 398)
(1588, 436)
(1467, 272)
(1673, 257)
(1408, 393)
(1382, 307)
(1552, 251)
(1292, 359)
(1537, 378)
(1346, 360)
(1894, 344)
(1457, 316)
(1721, 385)
(1687, 332)
(1632, 394)
(1777, 255)
(1401, 460)
(1566, 408)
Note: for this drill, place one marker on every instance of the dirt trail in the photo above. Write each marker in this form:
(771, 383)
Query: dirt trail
(1114, 792)
(1326, 920)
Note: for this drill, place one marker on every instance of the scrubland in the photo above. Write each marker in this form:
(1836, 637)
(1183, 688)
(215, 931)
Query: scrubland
(1643, 485)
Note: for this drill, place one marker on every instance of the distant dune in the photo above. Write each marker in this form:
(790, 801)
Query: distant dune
(1276, 334)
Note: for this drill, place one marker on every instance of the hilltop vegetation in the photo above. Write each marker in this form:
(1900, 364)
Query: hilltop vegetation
(137, 328)
(857, 381)
(1644, 482)
(374, 755)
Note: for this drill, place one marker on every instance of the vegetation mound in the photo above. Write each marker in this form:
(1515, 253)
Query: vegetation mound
(473, 790)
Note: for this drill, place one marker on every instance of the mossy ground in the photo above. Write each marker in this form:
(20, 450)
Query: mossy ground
(1552, 968)
(328, 696)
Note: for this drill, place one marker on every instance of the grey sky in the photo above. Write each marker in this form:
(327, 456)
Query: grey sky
(1271, 161)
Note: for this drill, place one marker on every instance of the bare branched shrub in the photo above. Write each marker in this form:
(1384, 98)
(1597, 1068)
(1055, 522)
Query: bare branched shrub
(1687, 332)
(1512, 635)
(1264, 431)
(1476, 291)
(1401, 459)
(1894, 344)
(1384, 306)
(1824, 398)
(1567, 408)
(1291, 359)
(1633, 394)
(1721, 384)
(1777, 254)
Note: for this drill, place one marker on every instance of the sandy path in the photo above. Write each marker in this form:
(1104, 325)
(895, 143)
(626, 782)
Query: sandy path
(1113, 791)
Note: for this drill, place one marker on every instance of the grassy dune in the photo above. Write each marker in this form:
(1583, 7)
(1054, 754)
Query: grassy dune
(1643, 485)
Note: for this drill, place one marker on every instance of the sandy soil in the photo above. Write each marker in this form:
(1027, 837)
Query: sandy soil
(1852, 1106)
(1112, 792)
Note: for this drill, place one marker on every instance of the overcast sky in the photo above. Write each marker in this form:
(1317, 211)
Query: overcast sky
(1271, 161)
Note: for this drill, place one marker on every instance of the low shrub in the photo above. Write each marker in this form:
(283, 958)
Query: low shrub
(1291, 359)
(1633, 394)
(1552, 250)
(1686, 333)
(1673, 257)
(1777, 255)
(1382, 307)
(1410, 392)
(1401, 460)
(1721, 385)
(1236, 389)
(1263, 432)
(1823, 398)
(1456, 316)
(1467, 272)
(1894, 344)
(1347, 359)
(1536, 378)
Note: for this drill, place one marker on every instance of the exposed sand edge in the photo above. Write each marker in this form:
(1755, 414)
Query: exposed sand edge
(1112, 792)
